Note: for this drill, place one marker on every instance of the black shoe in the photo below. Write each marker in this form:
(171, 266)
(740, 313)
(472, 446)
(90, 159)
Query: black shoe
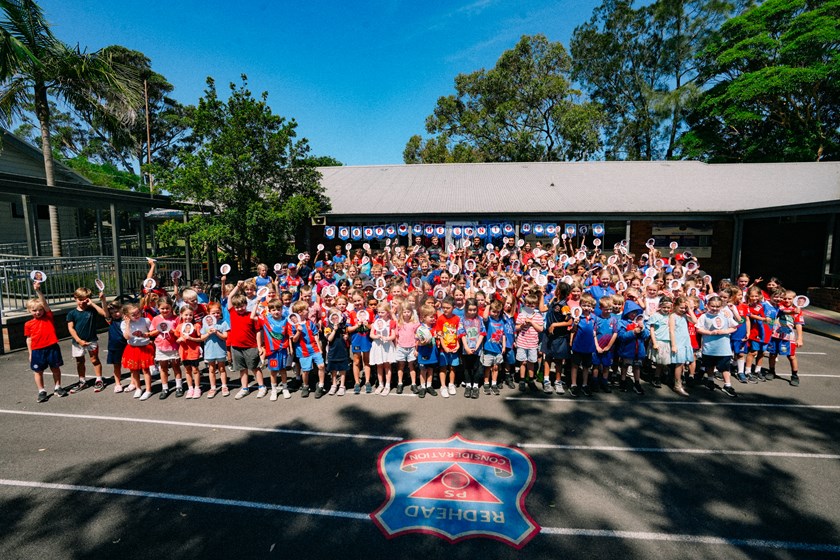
(400, 389)
(467, 391)
(304, 391)
(637, 388)
(522, 387)
(509, 382)
(414, 389)
(533, 385)
(421, 392)
(761, 376)
(60, 391)
(794, 380)
(80, 386)
(770, 375)
(42, 396)
(595, 387)
(475, 392)
(729, 390)
(163, 394)
(179, 392)
(656, 384)
(585, 390)
(574, 391)
(710, 384)
(319, 391)
(605, 387)
(622, 385)
(431, 391)
(486, 388)
(495, 389)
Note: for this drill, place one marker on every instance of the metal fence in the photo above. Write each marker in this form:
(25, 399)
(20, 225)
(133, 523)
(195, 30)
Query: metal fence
(65, 274)
(79, 247)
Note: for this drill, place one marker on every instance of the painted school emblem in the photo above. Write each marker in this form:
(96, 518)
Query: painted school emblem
(456, 489)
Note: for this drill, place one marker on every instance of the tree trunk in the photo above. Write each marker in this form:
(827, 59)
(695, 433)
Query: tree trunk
(42, 110)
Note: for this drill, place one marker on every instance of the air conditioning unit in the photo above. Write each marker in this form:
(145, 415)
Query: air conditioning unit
(319, 220)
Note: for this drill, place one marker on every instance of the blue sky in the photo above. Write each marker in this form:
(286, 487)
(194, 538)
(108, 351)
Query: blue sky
(359, 77)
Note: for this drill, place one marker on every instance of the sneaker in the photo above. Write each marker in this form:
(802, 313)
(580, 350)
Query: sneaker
(98, 386)
(761, 376)
(574, 391)
(486, 388)
(546, 386)
(637, 388)
(212, 392)
(656, 383)
(752, 378)
(304, 391)
(522, 387)
(509, 382)
(400, 389)
(273, 395)
(225, 391)
(261, 392)
(42, 397)
(533, 385)
(558, 387)
(794, 380)
(742, 377)
(495, 389)
(596, 386)
(80, 386)
(710, 384)
(622, 385)
(586, 391)
(385, 391)
(467, 392)
(431, 391)
(729, 390)
(605, 386)
(118, 388)
(145, 396)
(357, 389)
(333, 389)
(138, 393)
(340, 391)
(60, 391)
(241, 394)
(421, 392)
(680, 391)
(179, 392)
(414, 389)
(444, 392)
(163, 394)
(452, 389)
(475, 392)
(320, 391)
(286, 393)
(378, 390)
(368, 388)
(770, 375)
(130, 389)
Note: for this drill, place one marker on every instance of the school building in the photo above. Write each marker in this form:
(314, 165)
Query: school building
(775, 219)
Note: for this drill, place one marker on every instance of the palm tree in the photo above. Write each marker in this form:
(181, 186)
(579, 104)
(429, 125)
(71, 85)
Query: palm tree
(35, 65)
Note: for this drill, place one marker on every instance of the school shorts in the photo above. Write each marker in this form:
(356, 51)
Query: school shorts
(526, 355)
(490, 360)
(79, 351)
(739, 346)
(756, 346)
(427, 356)
(190, 363)
(307, 362)
(722, 363)
(44, 358)
(602, 359)
(405, 354)
(244, 358)
(340, 365)
(360, 345)
(449, 359)
(582, 359)
(166, 355)
(277, 360)
(510, 357)
(635, 362)
(115, 354)
(779, 347)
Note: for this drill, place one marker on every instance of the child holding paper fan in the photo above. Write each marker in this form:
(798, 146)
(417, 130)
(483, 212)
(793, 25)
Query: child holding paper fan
(359, 331)
(188, 335)
(139, 354)
(166, 347)
(715, 328)
(406, 351)
(383, 332)
(338, 355)
(427, 350)
(214, 334)
(681, 350)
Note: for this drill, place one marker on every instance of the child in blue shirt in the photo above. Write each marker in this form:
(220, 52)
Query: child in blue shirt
(583, 345)
(605, 333)
(633, 335)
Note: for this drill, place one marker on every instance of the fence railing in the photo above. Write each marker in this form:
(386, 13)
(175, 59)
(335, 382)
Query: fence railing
(79, 247)
(65, 274)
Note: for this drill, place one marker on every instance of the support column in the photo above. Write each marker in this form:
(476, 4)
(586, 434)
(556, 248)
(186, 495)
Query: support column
(829, 245)
(31, 227)
(115, 243)
(100, 234)
(737, 239)
(154, 239)
(187, 259)
(142, 233)
(627, 234)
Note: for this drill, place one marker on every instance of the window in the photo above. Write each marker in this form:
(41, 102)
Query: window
(41, 210)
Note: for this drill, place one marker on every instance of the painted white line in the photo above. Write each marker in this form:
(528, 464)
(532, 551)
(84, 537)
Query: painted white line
(694, 539)
(799, 353)
(689, 451)
(200, 425)
(359, 516)
(186, 498)
(587, 400)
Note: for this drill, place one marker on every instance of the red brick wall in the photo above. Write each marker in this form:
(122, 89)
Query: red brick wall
(827, 298)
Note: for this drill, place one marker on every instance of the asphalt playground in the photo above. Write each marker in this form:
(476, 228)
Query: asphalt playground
(102, 475)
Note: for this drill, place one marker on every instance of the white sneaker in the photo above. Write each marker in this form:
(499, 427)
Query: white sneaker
(145, 396)
(262, 392)
(558, 388)
(241, 394)
(333, 389)
(444, 393)
(452, 390)
(385, 391)
(341, 391)
(286, 394)
(546, 386)
(138, 393)
(378, 390)
(273, 396)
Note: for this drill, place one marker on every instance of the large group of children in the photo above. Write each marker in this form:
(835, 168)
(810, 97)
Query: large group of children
(468, 317)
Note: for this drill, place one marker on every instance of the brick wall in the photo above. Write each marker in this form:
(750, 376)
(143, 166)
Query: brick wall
(827, 298)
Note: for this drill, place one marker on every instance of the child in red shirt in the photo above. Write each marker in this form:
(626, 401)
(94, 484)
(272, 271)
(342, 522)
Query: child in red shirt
(188, 334)
(42, 343)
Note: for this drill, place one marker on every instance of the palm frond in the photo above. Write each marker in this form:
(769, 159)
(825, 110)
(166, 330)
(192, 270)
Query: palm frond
(15, 95)
(25, 20)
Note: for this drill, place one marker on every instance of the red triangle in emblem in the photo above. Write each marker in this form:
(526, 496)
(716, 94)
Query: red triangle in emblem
(457, 485)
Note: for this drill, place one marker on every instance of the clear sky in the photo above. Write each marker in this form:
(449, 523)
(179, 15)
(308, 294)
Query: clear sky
(359, 77)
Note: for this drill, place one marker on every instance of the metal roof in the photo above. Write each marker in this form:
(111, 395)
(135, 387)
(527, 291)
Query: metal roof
(602, 187)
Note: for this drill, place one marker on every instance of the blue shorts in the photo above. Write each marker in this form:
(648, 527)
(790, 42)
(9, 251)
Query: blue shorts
(449, 359)
(44, 358)
(360, 344)
(510, 357)
(307, 362)
(115, 354)
(277, 360)
(339, 365)
(722, 363)
(603, 359)
(756, 346)
(738, 346)
(779, 347)
(427, 355)
(582, 359)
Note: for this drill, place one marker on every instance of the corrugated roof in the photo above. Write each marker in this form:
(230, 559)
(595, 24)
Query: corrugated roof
(605, 187)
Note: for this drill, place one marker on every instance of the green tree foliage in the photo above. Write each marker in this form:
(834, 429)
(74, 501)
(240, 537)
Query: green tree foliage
(523, 109)
(243, 178)
(34, 64)
(775, 93)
